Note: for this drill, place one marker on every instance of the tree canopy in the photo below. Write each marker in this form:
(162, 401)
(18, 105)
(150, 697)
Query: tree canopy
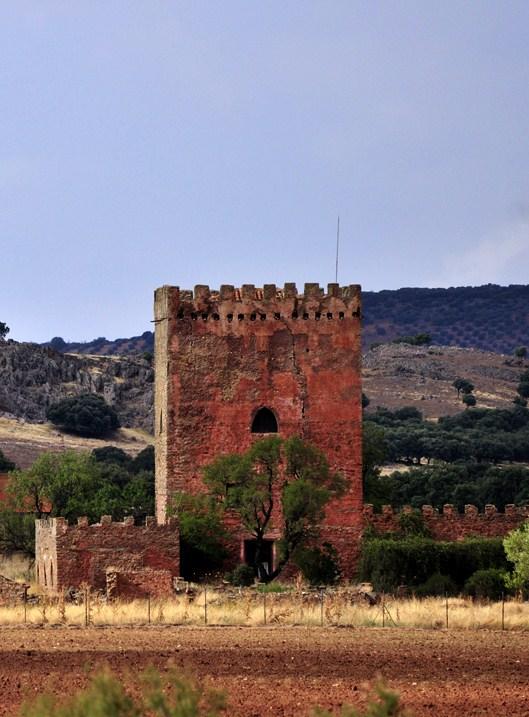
(86, 415)
(285, 482)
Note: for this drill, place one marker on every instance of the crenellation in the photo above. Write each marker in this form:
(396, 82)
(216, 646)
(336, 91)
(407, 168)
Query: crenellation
(201, 292)
(248, 291)
(269, 292)
(227, 292)
(312, 291)
(449, 524)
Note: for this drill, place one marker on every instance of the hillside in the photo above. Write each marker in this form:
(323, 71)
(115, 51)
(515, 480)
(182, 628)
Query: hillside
(491, 318)
(33, 377)
(396, 375)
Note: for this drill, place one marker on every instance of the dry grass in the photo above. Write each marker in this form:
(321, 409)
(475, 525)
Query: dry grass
(250, 609)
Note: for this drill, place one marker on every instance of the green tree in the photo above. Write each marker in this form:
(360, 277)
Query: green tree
(17, 531)
(463, 385)
(4, 330)
(203, 535)
(286, 477)
(87, 415)
(516, 546)
(520, 352)
(5, 464)
(469, 400)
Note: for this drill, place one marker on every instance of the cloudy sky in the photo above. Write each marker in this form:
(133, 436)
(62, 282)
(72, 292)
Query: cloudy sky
(146, 142)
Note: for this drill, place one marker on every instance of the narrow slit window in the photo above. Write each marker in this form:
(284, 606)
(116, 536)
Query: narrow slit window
(264, 421)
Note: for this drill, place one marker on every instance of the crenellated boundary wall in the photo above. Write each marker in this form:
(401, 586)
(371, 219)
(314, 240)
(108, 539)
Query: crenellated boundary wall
(449, 524)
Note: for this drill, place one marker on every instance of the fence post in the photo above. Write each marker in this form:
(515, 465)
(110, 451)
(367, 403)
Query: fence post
(86, 607)
(264, 607)
(149, 608)
(25, 604)
(383, 611)
(205, 605)
(321, 607)
(446, 605)
(503, 611)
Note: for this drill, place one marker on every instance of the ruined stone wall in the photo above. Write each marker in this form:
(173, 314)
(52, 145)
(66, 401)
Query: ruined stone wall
(221, 356)
(451, 525)
(11, 592)
(128, 584)
(68, 556)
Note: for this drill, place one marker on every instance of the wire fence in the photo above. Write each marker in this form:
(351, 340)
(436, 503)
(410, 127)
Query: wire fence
(210, 606)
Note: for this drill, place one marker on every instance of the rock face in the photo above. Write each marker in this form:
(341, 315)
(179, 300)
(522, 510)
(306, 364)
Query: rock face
(32, 377)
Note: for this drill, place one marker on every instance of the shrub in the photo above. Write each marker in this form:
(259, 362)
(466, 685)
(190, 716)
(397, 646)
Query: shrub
(412, 561)
(318, 565)
(5, 464)
(437, 584)
(106, 697)
(87, 415)
(486, 584)
(242, 576)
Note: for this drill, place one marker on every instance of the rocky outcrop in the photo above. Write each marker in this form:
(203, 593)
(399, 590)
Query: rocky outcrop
(32, 377)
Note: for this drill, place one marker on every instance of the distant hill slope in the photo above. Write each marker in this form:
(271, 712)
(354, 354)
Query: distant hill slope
(490, 317)
(394, 375)
(33, 377)
(397, 375)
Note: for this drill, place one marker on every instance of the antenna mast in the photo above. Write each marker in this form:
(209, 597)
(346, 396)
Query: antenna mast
(337, 250)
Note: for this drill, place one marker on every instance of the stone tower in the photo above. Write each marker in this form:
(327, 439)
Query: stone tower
(236, 363)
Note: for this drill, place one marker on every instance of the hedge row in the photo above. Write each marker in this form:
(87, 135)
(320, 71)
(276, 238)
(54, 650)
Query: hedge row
(413, 561)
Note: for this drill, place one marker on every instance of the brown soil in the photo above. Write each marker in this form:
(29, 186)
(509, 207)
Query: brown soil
(283, 671)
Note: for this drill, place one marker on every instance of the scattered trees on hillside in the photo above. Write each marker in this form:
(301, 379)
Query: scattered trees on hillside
(469, 400)
(4, 330)
(417, 340)
(87, 415)
(463, 385)
(520, 352)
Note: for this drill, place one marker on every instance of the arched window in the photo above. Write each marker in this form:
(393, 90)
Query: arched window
(264, 421)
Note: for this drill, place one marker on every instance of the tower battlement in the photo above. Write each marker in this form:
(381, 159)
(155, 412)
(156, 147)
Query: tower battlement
(248, 302)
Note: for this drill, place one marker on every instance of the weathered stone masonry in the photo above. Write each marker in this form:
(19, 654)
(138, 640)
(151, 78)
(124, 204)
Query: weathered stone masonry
(126, 555)
(222, 356)
(451, 525)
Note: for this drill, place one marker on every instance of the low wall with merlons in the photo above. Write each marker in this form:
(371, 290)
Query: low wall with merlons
(449, 524)
(69, 556)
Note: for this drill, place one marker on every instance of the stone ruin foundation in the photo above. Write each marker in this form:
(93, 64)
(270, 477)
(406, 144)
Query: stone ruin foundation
(119, 558)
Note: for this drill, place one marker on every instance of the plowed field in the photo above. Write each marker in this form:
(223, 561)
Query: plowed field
(283, 671)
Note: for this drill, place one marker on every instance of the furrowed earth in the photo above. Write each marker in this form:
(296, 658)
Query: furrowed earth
(282, 671)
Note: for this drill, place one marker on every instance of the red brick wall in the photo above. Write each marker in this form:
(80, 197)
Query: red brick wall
(296, 354)
(138, 583)
(68, 556)
(451, 525)
(11, 592)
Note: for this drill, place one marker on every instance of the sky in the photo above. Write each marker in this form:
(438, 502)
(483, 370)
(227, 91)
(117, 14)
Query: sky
(150, 142)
